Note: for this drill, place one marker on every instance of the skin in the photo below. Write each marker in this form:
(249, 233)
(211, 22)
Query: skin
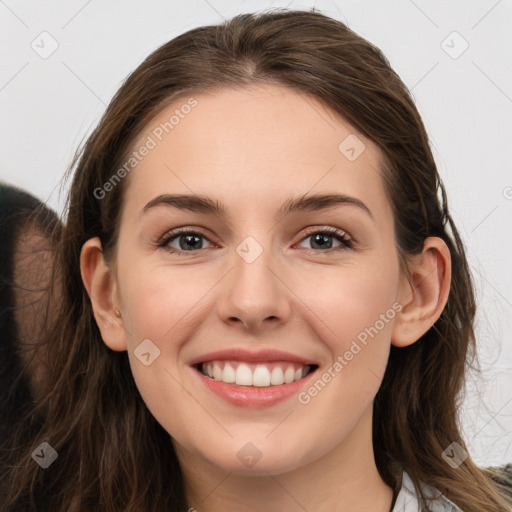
(252, 149)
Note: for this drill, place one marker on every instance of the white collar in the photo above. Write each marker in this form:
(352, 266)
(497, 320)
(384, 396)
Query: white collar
(407, 499)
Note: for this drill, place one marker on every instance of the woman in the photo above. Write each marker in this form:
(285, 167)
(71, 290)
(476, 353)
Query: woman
(306, 351)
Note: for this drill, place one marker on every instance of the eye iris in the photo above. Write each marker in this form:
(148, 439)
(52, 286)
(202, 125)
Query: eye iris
(325, 243)
(189, 239)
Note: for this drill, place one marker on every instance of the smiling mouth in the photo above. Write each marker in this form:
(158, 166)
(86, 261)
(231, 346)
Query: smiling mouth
(239, 373)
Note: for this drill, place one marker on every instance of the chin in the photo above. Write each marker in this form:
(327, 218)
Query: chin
(256, 459)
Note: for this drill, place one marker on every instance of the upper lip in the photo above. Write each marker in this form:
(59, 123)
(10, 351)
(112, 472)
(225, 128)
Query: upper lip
(260, 356)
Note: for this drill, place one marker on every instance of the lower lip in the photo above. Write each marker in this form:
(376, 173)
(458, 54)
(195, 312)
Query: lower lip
(253, 396)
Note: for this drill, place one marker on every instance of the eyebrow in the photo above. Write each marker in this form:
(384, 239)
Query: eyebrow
(206, 205)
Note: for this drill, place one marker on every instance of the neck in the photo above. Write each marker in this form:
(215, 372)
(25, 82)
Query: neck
(345, 479)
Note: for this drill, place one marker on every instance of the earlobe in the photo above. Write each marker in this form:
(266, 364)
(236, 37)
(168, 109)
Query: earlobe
(423, 293)
(99, 281)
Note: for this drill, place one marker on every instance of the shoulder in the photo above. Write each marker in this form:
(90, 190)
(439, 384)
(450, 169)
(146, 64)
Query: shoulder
(408, 501)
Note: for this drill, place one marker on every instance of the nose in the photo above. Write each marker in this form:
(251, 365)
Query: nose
(254, 294)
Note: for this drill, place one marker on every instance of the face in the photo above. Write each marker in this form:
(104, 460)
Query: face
(255, 292)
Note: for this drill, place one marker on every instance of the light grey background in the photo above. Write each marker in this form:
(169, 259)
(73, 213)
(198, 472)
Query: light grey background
(50, 104)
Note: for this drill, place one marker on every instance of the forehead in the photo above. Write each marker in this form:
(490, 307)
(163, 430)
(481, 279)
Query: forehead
(243, 146)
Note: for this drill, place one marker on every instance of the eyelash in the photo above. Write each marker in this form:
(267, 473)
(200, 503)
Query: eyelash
(346, 241)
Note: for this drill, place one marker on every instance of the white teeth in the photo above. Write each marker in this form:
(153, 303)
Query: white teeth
(259, 375)
(229, 374)
(289, 375)
(277, 377)
(217, 372)
(243, 375)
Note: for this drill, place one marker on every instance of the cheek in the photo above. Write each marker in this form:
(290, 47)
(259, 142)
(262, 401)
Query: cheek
(355, 310)
(350, 300)
(165, 305)
(347, 384)
(368, 308)
(158, 298)
(160, 303)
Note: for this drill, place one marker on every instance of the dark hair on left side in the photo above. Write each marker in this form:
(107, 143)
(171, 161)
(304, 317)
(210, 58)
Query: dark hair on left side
(20, 212)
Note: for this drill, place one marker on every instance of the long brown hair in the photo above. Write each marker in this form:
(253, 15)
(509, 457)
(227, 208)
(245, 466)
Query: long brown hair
(112, 453)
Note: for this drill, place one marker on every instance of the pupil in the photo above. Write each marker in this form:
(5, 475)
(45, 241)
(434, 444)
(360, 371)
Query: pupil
(325, 244)
(189, 240)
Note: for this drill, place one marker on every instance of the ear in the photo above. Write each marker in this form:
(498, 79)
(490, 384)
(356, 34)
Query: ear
(100, 283)
(423, 292)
